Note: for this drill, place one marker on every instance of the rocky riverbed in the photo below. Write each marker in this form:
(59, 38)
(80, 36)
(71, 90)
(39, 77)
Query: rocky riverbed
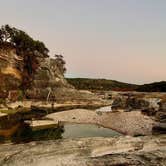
(126, 151)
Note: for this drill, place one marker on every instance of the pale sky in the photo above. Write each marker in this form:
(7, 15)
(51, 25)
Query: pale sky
(123, 40)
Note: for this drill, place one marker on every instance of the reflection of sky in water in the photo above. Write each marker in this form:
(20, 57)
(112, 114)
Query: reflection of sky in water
(87, 130)
(21, 133)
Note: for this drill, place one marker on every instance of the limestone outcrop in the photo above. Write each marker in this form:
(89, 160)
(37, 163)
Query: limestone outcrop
(126, 151)
(48, 83)
(10, 71)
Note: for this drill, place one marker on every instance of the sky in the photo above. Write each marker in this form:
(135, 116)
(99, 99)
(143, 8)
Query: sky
(122, 40)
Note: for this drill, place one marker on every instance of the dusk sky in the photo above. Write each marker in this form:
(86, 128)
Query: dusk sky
(123, 40)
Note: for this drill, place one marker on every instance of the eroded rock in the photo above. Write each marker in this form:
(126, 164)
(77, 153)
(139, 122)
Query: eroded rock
(140, 151)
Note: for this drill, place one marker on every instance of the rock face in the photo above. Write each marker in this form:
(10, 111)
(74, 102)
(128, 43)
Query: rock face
(126, 151)
(10, 67)
(46, 80)
(48, 83)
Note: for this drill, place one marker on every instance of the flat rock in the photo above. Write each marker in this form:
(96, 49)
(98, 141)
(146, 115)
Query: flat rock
(126, 151)
(42, 124)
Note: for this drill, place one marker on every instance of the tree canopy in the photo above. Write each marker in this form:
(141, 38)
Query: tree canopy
(26, 47)
(21, 40)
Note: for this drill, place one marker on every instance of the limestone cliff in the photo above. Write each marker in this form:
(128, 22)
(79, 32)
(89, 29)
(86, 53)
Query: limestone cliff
(46, 80)
(48, 83)
(10, 71)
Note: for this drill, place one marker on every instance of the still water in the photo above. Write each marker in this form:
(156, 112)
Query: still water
(87, 130)
(22, 132)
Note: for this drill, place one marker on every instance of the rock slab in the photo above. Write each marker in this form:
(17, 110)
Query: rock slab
(125, 151)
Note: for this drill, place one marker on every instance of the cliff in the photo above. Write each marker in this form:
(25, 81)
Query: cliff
(47, 84)
(10, 71)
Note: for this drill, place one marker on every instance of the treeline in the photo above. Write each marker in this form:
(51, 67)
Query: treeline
(153, 87)
(100, 84)
(104, 84)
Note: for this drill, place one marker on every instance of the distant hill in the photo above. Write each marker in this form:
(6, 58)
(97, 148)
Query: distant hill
(153, 87)
(100, 84)
(104, 84)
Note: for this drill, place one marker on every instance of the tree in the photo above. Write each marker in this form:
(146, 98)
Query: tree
(21, 40)
(60, 62)
(26, 47)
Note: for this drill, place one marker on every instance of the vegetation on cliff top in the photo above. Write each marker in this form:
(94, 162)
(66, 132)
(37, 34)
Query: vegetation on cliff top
(26, 47)
(30, 50)
(21, 41)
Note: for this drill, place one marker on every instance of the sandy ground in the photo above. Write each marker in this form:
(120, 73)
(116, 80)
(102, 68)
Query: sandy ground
(130, 123)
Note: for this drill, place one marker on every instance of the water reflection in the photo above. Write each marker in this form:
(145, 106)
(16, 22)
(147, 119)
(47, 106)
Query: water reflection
(87, 130)
(22, 133)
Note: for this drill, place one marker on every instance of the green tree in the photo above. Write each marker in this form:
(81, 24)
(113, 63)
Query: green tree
(26, 47)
